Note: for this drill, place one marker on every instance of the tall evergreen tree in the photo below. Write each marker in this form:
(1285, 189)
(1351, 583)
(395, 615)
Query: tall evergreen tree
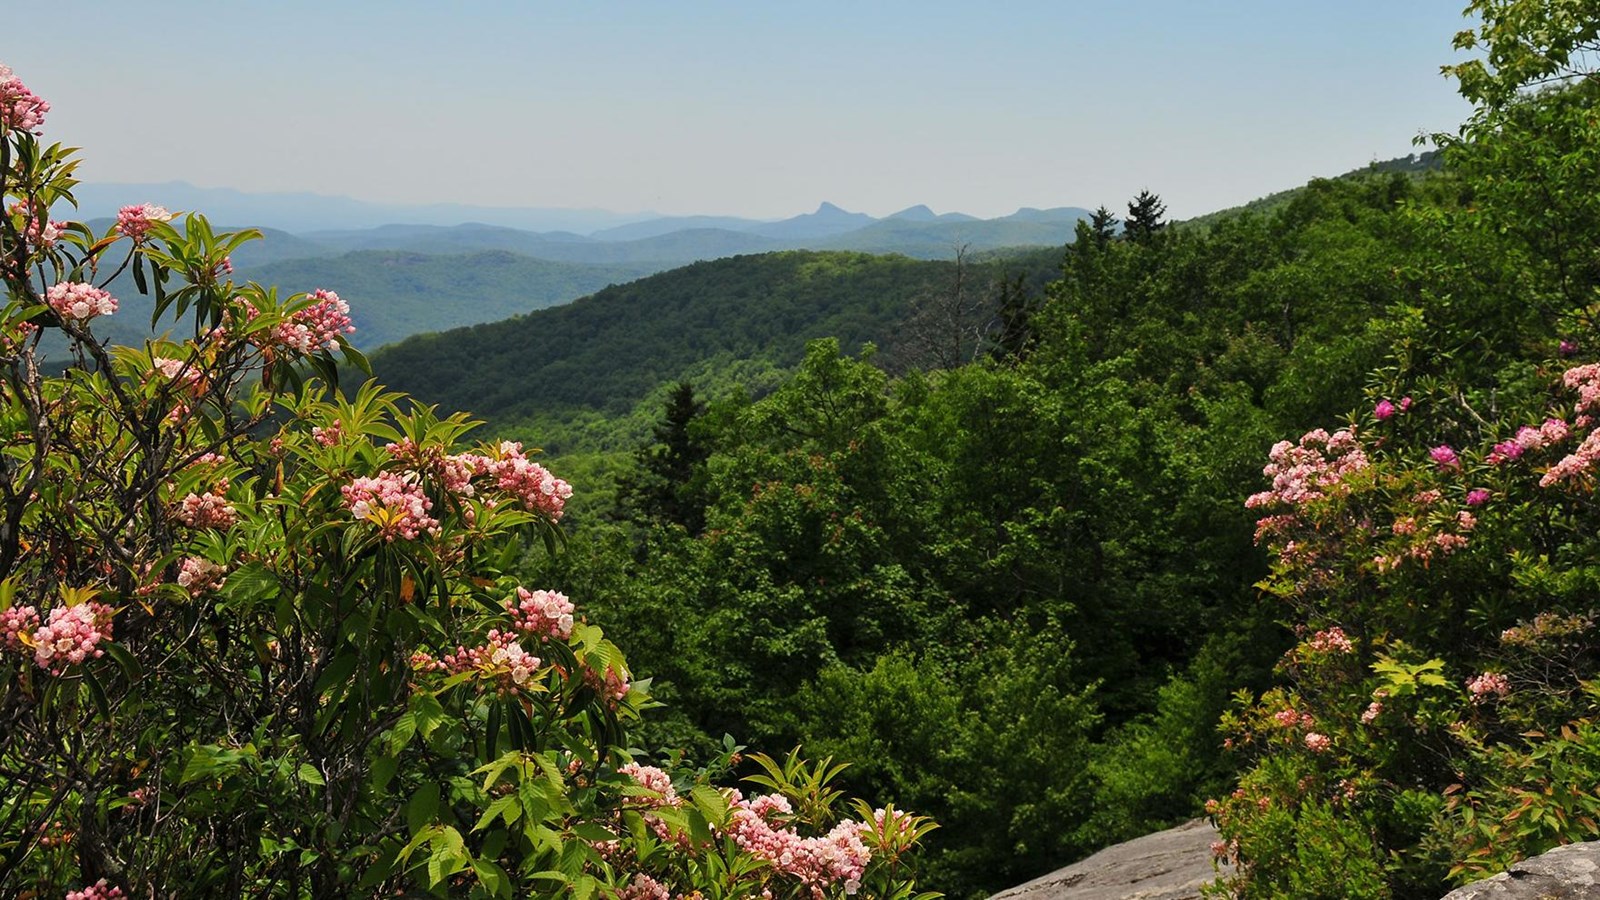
(1144, 217)
(665, 488)
(1103, 226)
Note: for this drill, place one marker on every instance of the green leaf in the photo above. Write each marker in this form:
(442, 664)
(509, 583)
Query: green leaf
(422, 807)
(710, 803)
(508, 807)
(699, 828)
(400, 735)
(429, 713)
(593, 831)
(251, 583)
(356, 358)
(493, 878)
(309, 774)
(131, 668)
(383, 770)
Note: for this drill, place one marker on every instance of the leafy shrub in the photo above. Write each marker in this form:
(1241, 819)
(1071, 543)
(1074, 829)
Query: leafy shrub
(260, 638)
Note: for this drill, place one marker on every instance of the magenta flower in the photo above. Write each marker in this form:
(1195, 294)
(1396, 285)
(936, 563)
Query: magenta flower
(1383, 411)
(1445, 456)
(1568, 348)
(1477, 497)
(1405, 404)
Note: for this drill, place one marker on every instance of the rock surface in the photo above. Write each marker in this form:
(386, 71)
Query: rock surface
(1167, 865)
(1565, 873)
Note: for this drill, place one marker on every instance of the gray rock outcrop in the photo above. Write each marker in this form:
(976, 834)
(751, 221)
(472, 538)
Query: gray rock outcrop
(1565, 873)
(1167, 865)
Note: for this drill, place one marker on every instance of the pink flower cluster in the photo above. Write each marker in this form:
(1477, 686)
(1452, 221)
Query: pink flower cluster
(1576, 465)
(839, 857)
(454, 473)
(541, 613)
(612, 684)
(135, 221)
(395, 503)
(1547, 626)
(1489, 684)
(526, 480)
(71, 635)
(329, 436)
(1224, 851)
(1332, 640)
(893, 830)
(643, 887)
(1529, 439)
(664, 796)
(208, 510)
(196, 574)
(183, 372)
(1373, 711)
(318, 326)
(1385, 409)
(1585, 380)
(80, 302)
(654, 780)
(1290, 718)
(500, 657)
(100, 890)
(1318, 743)
(1445, 457)
(38, 229)
(20, 108)
(14, 621)
(1311, 470)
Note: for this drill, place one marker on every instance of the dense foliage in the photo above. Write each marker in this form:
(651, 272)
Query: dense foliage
(608, 352)
(262, 639)
(1020, 589)
(1016, 578)
(1023, 588)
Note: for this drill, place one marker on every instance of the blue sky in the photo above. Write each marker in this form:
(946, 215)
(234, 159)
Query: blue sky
(749, 108)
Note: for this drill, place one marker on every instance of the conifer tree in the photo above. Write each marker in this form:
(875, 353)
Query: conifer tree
(1103, 226)
(665, 488)
(1144, 217)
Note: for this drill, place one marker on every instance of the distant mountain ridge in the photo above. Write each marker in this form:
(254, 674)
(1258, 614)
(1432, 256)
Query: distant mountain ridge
(326, 226)
(305, 211)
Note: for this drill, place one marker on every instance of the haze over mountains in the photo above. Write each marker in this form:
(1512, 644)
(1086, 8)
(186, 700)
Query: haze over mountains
(412, 269)
(332, 225)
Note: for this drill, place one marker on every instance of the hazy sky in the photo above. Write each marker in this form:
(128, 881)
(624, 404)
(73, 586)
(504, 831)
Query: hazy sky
(751, 107)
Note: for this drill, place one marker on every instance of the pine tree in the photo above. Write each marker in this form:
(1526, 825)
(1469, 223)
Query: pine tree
(1144, 217)
(665, 487)
(1103, 226)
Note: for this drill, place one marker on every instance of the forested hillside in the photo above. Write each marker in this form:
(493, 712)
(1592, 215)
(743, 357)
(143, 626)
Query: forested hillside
(1060, 504)
(605, 353)
(1020, 588)
(1285, 516)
